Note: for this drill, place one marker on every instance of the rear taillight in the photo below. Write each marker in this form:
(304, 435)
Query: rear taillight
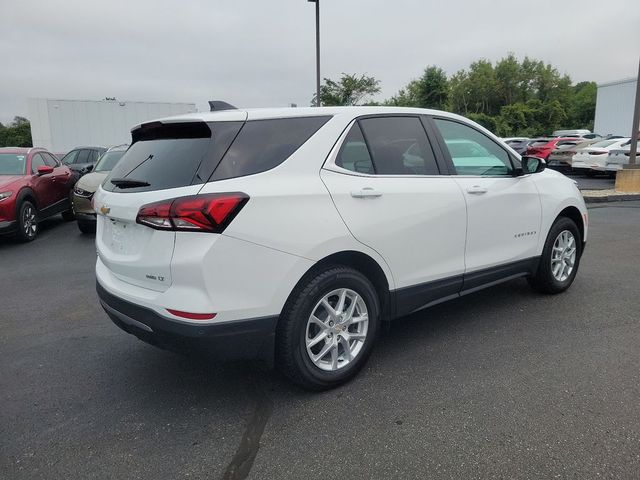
(210, 212)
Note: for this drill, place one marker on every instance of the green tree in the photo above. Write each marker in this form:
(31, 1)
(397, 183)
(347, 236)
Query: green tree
(349, 90)
(583, 105)
(16, 134)
(431, 90)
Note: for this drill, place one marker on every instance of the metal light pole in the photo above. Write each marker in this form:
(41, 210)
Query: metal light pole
(636, 126)
(317, 2)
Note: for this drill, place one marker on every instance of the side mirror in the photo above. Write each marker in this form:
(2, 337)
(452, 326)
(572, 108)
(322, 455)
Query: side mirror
(89, 168)
(532, 165)
(44, 169)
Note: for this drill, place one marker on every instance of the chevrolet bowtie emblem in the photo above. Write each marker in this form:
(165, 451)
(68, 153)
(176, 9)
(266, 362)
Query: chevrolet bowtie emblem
(104, 209)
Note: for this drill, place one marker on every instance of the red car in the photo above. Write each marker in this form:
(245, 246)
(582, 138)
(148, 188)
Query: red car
(33, 185)
(542, 147)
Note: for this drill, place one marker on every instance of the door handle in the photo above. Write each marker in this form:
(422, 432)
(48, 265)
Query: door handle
(476, 190)
(365, 192)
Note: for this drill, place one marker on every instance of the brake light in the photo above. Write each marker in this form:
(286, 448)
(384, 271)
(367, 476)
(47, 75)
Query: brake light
(210, 212)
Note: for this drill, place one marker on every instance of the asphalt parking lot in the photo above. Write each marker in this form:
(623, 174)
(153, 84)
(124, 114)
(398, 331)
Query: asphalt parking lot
(505, 383)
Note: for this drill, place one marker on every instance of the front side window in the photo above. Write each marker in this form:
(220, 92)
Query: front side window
(70, 157)
(399, 146)
(472, 152)
(354, 154)
(36, 161)
(49, 159)
(84, 156)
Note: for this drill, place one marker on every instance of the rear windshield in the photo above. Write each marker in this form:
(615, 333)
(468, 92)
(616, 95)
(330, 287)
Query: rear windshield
(603, 144)
(567, 143)
(176, 155)
(171, 155)
(264, 144)
(539, 143)
(12, 164)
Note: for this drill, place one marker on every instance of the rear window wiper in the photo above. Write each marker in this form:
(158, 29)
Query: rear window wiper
(129, 183)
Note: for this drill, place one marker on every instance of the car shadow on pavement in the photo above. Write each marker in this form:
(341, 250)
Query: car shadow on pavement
(46, 228)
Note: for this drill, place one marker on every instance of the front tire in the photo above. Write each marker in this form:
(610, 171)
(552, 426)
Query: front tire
(86, 226)
(327, 329)
(560, 258)
(27, 222)
(68, 215)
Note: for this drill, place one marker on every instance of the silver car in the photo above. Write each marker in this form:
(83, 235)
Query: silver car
(89, 183)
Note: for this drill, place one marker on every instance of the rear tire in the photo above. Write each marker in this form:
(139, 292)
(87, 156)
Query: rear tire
(339, 310)
(86, 226)
(560, 258)
(27, 222)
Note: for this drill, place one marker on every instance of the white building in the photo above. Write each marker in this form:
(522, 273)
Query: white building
(60, 125)
(614, 107)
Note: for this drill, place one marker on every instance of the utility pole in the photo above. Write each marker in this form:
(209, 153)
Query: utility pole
(636, 124)
(317, 2)
(628, 179)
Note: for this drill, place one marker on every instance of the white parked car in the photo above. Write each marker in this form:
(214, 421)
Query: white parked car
(289, 235)
(592, 159)
(619, 157)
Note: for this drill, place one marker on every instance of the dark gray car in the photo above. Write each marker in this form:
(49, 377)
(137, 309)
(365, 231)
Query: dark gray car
(81, 160)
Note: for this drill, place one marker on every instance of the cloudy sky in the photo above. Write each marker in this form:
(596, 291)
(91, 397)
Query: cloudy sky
(261, 52)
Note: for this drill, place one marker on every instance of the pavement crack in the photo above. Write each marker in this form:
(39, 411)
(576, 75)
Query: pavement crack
(242, 461)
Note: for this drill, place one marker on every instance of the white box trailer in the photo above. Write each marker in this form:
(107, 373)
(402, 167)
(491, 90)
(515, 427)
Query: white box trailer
(614, 107)
(60, 125)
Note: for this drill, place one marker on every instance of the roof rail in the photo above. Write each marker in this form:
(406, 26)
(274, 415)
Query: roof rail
(217, 105)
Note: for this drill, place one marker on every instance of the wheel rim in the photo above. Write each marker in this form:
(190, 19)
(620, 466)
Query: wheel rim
(563, 256)
(337, 329)
(29, 224)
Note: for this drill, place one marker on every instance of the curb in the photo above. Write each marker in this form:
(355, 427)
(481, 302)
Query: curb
(613, 198)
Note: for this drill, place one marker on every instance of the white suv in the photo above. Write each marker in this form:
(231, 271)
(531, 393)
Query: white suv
(289, 235)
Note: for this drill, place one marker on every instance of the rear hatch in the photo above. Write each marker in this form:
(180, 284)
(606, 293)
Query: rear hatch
(165, 161)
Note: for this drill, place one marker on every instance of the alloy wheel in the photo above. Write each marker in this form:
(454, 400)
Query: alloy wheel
(29, 223)
(563, 256)
(337, 329)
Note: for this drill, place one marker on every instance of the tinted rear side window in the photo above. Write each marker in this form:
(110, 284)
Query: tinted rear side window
(354, 154)
(173, 155)
(264, 144)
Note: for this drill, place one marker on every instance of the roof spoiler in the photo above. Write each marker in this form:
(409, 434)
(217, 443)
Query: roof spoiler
(217, 105)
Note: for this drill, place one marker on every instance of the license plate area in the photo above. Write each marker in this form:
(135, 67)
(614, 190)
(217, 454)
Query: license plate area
(121, 237)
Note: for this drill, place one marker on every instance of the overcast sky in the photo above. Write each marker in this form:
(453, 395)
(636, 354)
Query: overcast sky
(261, 52)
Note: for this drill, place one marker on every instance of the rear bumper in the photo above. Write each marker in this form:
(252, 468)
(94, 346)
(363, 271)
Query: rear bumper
(251, 339)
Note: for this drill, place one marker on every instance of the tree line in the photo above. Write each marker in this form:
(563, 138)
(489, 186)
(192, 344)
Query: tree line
(16, 134)
(510, 98)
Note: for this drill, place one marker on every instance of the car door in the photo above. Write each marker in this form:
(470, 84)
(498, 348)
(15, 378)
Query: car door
(503, 209)
(83, 160)
(385, 182)
(61, 177)
(42, 185)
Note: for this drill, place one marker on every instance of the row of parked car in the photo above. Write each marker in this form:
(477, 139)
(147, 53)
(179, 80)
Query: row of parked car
(578, 151)
(36, 184)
